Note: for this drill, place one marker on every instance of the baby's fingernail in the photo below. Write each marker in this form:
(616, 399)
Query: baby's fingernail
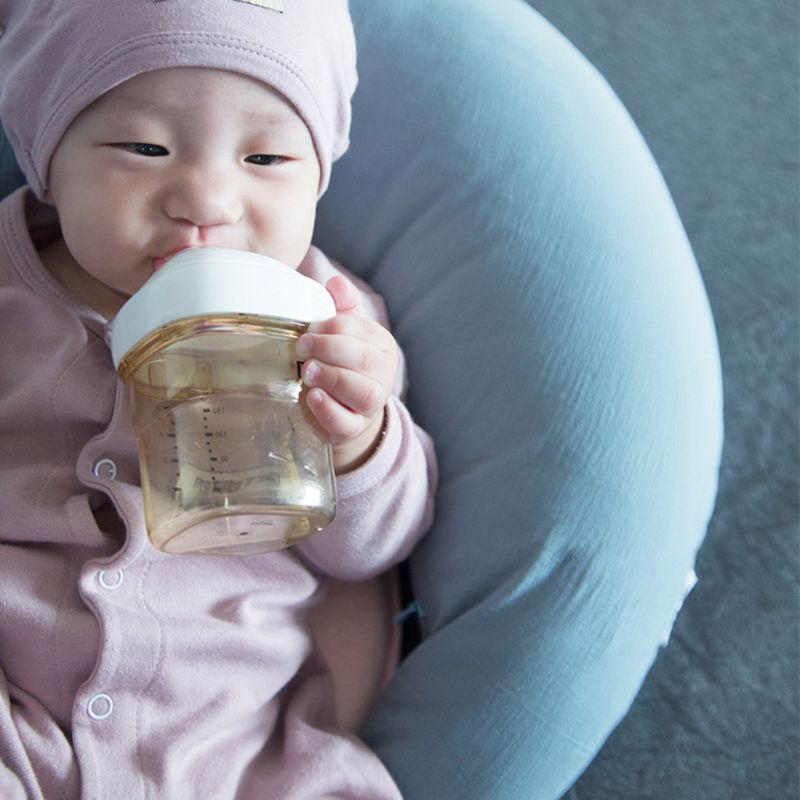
(310, 373)
(303, 347)
(315, 397)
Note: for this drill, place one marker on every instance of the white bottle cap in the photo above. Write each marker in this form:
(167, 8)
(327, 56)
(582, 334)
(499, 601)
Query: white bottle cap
(214, 280)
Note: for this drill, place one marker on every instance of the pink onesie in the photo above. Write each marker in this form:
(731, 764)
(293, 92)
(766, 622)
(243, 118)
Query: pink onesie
(134, 674)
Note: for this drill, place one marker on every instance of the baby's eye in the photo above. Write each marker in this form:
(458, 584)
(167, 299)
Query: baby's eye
(263, 159)
(144, 149)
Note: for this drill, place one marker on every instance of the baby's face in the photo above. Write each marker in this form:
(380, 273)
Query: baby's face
(181, 158)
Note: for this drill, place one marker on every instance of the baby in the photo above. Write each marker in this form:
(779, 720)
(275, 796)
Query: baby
(145, 127)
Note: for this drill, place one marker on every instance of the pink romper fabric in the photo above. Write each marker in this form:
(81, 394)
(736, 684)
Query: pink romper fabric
(134, 674)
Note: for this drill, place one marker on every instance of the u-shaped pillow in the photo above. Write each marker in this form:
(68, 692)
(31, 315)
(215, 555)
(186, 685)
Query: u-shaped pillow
(561, 352)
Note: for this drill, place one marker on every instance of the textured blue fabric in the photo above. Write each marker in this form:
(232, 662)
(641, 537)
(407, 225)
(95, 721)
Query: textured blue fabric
(562, 353)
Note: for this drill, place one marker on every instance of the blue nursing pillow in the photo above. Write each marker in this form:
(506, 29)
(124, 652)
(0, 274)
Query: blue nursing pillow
(562, 354)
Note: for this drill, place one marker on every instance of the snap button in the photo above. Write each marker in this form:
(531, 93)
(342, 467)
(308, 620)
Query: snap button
(111, 580)
(100, 707)
(105, 468)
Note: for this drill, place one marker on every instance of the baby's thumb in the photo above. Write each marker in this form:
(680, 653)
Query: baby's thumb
(344, 294)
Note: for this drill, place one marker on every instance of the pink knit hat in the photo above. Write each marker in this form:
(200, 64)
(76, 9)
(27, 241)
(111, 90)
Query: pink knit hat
(58, 56)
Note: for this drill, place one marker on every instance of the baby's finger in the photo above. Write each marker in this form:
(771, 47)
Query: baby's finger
(342, 351)
(354, 391)
(345, 295)
(340, 423)
(351, 325)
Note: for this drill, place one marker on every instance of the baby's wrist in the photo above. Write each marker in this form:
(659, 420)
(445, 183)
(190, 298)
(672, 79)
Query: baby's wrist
(350, 455)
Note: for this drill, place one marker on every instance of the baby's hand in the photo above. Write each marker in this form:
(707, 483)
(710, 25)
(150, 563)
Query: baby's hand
(350, 367)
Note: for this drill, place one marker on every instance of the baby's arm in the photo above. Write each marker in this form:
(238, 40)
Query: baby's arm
(383, 508)
(386, 481)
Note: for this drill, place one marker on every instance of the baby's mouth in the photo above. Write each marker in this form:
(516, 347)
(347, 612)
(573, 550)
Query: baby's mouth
(161, 260)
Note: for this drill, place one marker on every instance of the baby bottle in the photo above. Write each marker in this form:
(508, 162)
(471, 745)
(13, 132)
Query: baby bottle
(231, 460)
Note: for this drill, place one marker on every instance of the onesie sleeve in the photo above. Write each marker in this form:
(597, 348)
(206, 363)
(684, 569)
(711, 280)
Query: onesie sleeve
(10, 787)
(12, 752)
(385, 506)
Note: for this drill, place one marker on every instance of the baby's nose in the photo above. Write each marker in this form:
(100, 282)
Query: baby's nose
(203, 198)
